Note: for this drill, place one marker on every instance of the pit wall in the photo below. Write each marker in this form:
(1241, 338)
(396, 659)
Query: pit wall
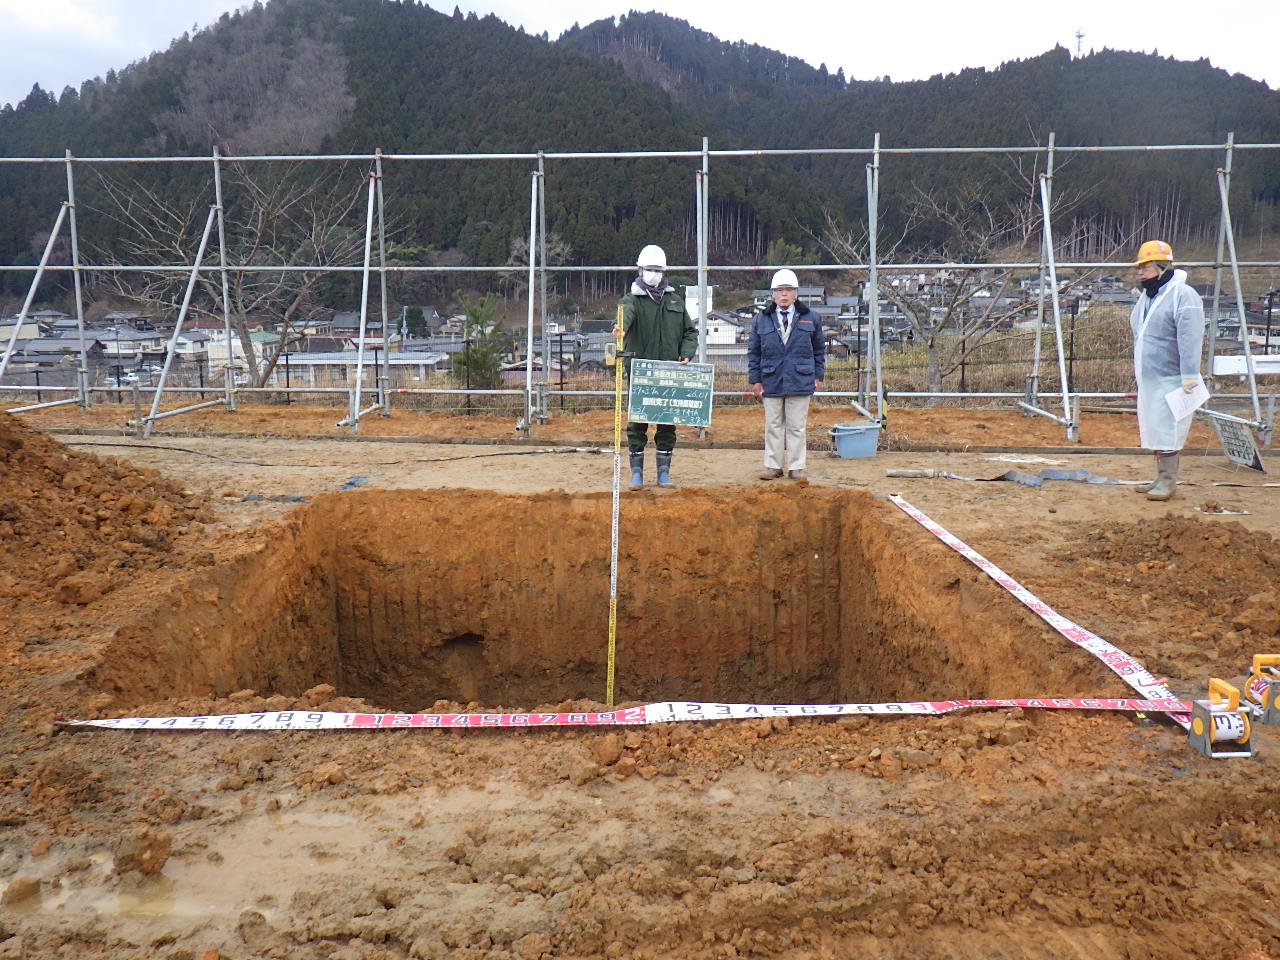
(794, 594)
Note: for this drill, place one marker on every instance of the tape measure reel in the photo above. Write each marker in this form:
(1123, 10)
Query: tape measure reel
(1263, 687)
(1221, 726)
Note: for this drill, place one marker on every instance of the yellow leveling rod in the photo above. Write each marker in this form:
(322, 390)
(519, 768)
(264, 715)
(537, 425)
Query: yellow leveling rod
(613, 524)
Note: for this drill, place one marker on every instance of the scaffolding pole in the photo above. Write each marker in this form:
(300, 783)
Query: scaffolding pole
(873, 278)
(526, 420)
(1033, 381)
(228, 386)
(384, 373)
(150, 419)
(1235, 279)
(704, 248)
(354, 413)
(1217, 266)
(541, 412)
(31, 292)
(82, 372)
(1068, 418)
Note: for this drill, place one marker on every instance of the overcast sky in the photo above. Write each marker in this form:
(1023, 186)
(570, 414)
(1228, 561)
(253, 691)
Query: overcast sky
(62, 42)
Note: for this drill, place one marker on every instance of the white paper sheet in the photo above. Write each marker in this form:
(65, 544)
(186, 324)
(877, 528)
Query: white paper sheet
(1184, 404)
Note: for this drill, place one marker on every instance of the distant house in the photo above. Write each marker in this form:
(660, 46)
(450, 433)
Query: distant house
(218, 352)
(347, 324)
(130, 318)
(29, 330)
(192, 345)
(375, 343)
(339, 368)
(847, 306)
(123, 342)
(722, 328)
(53, 351)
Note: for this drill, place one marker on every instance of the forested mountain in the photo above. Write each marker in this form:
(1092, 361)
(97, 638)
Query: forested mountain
(749, 96)
(334, 76)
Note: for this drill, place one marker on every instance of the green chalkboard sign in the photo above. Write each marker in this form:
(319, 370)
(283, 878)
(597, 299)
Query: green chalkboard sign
(667, 391)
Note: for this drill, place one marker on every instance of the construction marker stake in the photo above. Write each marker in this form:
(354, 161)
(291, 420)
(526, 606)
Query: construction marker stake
(1120, 663)
(666, 712)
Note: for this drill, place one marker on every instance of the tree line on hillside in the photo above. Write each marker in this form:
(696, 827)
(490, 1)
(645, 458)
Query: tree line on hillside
(338, 76)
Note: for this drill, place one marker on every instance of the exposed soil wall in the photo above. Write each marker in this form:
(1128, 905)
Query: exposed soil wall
(799, 595)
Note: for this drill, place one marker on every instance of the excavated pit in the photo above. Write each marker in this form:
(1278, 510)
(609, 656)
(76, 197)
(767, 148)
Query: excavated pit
(797, 595)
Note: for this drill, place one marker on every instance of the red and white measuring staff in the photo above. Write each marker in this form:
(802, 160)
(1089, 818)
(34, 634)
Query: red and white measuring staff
(1120, 663)
(666, 712)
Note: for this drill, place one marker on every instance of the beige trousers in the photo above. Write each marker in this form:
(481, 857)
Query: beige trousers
(785, 419)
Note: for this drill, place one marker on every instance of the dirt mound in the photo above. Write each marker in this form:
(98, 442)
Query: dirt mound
(75, 526)
(1178, 579)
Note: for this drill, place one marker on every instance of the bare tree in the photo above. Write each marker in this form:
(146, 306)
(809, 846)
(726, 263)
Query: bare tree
(955, 310)
(288, 216)
(258, 97)
(516, 279)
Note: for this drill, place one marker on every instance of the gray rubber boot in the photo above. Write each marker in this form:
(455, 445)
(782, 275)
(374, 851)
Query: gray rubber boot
(1166, 478)
(637, 470)
(664, 468)
(1144, 487)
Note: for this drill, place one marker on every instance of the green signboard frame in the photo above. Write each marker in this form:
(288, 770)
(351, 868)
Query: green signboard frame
(667, 391)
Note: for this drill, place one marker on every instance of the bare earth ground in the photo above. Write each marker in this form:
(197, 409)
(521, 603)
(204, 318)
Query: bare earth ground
(458, 576)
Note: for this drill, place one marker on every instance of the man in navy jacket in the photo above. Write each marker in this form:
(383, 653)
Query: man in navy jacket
(786, 358)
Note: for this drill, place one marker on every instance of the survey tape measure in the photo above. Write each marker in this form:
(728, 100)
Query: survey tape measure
(1116, 660)
(665, 712)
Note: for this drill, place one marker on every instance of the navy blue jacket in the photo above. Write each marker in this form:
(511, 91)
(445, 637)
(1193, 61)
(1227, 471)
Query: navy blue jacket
(786, 371)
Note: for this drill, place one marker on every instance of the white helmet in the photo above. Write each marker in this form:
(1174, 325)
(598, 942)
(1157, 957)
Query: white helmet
(784, 278)
(652, 256)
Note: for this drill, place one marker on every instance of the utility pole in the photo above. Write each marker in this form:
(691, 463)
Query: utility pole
(1079, 37)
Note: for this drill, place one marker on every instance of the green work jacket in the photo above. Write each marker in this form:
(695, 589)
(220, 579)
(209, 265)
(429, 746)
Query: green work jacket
(657, 331)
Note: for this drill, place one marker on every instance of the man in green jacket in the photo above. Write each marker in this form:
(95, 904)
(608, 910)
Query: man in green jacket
(655, 326)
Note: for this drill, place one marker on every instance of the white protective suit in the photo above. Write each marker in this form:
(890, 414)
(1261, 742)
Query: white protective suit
(1168, 333)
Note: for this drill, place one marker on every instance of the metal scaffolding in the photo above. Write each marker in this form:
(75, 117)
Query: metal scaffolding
(869, 398)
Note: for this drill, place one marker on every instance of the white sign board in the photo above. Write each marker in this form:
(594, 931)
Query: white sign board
(1237, 444)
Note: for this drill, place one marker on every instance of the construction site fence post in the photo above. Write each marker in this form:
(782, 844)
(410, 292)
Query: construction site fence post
(527, 419)
(873, 278)
(1226, 253)
(82, 371)
(541, 412)
(354, 413)
(1235, 279)
(384, 369)
(228, 378)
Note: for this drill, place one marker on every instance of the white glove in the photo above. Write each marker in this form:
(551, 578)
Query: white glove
(1189, 384)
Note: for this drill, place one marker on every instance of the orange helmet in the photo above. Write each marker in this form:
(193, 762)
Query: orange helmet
(1153, 250)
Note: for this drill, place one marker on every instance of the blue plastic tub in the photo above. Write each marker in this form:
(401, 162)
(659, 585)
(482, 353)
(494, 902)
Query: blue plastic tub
(856, 439)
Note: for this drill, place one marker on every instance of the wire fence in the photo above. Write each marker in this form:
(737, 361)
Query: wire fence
(1092, 344)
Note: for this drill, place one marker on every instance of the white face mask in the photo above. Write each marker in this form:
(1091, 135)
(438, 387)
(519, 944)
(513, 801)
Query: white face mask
(652, 278)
